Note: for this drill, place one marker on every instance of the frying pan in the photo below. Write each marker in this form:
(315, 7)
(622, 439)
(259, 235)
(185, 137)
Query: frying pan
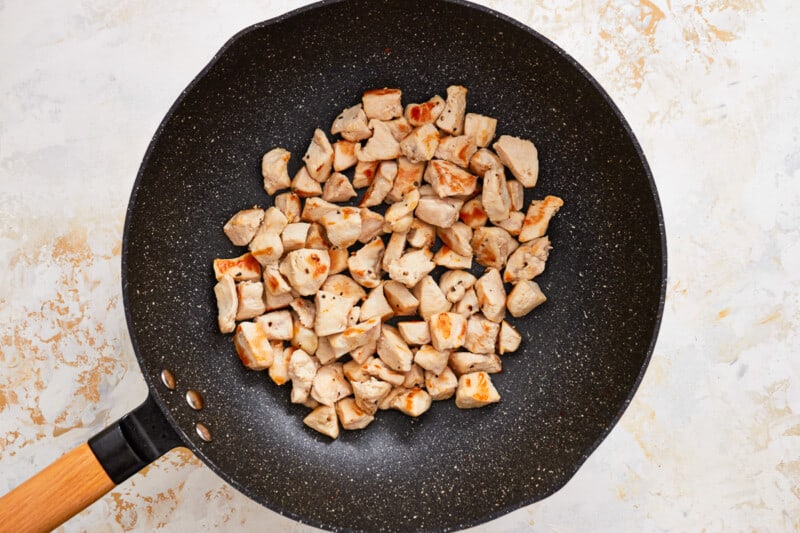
(583, 353)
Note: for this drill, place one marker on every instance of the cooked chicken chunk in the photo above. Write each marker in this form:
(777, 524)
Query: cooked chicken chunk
(227, 304)
(394, 249)
(440, 212)
(509, 338)
(315, 208)
(408, 178)
(364, 173)
(516, 192)
(521, 158)
(468, 305)
(250, 295)
(351, 416)
(316, 240)
(339, 258)
(420, 145)
(252, 346)
(399, 127)
(399, 210)
(362, 353)
(495, 197)
(368, 393)
(378, 369)
(289, 204)
(393, 350)
(412, 267)
(355, 336)
(304, 186)
(344, 155)
(513, 224)
(381, 185)
(481, 335)
(356, 372)
(324, 351)
(344, 287)
(452, 118)
(492, 246)
(473, 214)
(279, 370)
(273, 170)
(431, 359)
(441, 386)
(371, 225)
(277, 301)
(483, 160)
(319, 156)
(448, 331)
(267, 246)
(365, 264)
(294, 236)
(331, 315)
(528, 261)
(414, 377)
(329, 385)
(421, 234)
(242, 227)
(400, 298)
(383, 104)
(538, 217)
(352, 124)
(425, 113)
(242, 268)
(342, 226)
(381, 146)
(277, 325)
(448, 179)
(449, 259)
(524, 298)
(323, 420)
(338, 189)
(306, 311)
(412, 402)
(302, 369)
(475, 390)
(491, 295)
(458, 149)
(306, 269)
(457, 237)
(480, 127)
(303, 337)
(431, 298)
(455, 283)
(415, 332)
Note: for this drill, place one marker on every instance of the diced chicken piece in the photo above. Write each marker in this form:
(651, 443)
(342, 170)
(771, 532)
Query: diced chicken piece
(344, 155)
(325, 351)
(415, 332)
(344, 287)
(277, 325)
(339, 257)
(331, 315)
(371, 225)
(524, 298)
(528, 261)
(383, 104)
(364, 173)
(420, 145)
(440, 212)
(455, 284)
(452, 118)
(368, 393)
(316, 240)
(441, 386)
(274, 170)
(425, 113)
(302, 369)
(352, 124)
(400, 128)
(401, 209)
(448, 331)
(491, 295)
(252, 346)
(481, 335)
(279, 370)
(355, 372)
(227, 304)
(413, 402)
(468, 305)
(242, 227)
(513, 224)
(421, 234)
(381, 185)
(362, 353)
(475, 390)
(521, 158)
(294, 236)
(378, 369)
(250, 295)
(288, 203)
(315, 208)
(448, 179)
(267, 246)
(338, 189)
(242, 268)
(306, 270)
(516, 192)
(412, 267)
(304, 186)
(409, 177)
(376, 306)
(492, 246)
(509, 338)
(431, 359)
(303, 337)
(480, 127)
(365, 264)
(319, 156)
(394, 249)
(431, 298)
(342, 226)
(306, 311)
(473, 214)
(400, 298)
(323, 419)
(277, 301)
(538, 217)
(483, 160)
(457, 237)
(495, 198)
(458, 149)
(329, 385)
(351, 416)
(467, 362)
(382, 146)
(449, 259)
(355, 336)
(414, 377)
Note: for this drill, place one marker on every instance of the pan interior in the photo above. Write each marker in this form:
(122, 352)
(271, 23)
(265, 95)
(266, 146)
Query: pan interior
(582, 353)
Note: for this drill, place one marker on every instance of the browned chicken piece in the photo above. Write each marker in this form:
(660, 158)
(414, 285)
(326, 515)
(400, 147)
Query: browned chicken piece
(324, 351)
(388, 400)
(394, 249)
(319, 156)
(401, 225)
(294, 236)
(431, 359)
(274, 170)
(521, 158)
(448, 179)
(371, 225)
(381, 185)
(393, 350)
(368, 393)
(302, 369)
(414, 377)
(400, 210)
(412, 267)
(378, 369)
(316, 240)
(242, 227)
(415, 332)
(448, 331)
(303, 337)
(376, 305)
(383, 104)
(420, 145)
(495, 198)
(289, 204)
(227, 304)
(355, 336)
(452, 118)
(408, 178)
(279, 370)
(492, 246)
(425, 113)
(538, 217)
(304, 186)
(344, 155)
(513, 224)
(365, 264)
(306, 311)
(457, 237)
(468, 305)
(480, 127)
(447, 258)
(344, 287)
(277, 325)
(362, 353)
(481, 335)
(355, 372)
(400, 128)
(528, 261)
(491, 295)
(516, 192)
(274, 282)
(475, 390)
(454, 284)
(306, 270)
(250, 295)
(440, 212)
(323, 420)
(252, 346)
(267, 246)
(331, 315)
(412, 402)
(351, 416)
(364, 173)
(314, 208)
(483, 160)
(352, 124)
(441, 386)
(509, 338)
(467, 362)
(458, 150)
(382, 146)
(338, 189)
(473, 214)
(401, 300)
(329, 385)
(277, 301)
(524, 298)
(421, 234)
(431, 298)
(339, 257)
(342, 226)
(242, 268)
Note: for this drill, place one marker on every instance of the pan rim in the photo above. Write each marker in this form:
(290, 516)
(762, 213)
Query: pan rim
(152, 383)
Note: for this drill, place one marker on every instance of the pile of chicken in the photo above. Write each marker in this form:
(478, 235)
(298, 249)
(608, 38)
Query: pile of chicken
(301, 283)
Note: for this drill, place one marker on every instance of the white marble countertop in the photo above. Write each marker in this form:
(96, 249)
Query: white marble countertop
(712, 91)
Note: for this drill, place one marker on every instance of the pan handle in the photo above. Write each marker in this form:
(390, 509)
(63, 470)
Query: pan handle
(83, 475)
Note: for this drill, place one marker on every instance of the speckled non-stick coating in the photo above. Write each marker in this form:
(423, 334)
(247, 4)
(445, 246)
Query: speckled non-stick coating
(583, 352)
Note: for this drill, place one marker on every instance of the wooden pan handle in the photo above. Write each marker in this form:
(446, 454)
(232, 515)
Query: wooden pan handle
(55, 494)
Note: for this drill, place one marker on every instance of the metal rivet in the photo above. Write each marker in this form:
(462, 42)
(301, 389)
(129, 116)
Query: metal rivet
(203, 431)
(194, 399)
(168, 379)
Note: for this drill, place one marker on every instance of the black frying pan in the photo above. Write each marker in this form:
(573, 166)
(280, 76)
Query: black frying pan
(583, 353)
